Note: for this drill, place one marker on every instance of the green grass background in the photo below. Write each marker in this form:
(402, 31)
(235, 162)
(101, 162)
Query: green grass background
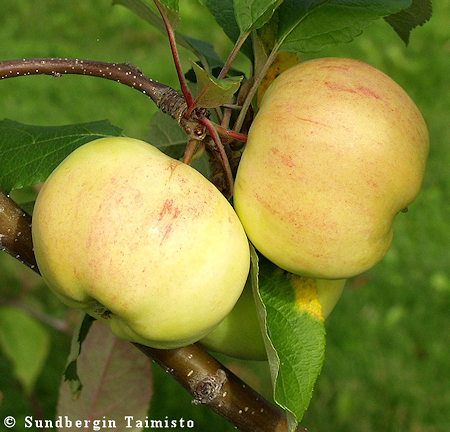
(387, 365)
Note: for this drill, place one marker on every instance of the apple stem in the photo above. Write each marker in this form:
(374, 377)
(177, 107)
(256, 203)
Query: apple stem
(176, 58)
(191, 149)
(208, 381)
(237, 46)
(217, 148)
(254, 88)
(230, 134)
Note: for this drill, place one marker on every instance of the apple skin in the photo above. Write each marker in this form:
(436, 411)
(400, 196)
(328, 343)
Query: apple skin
(239, 335)
(128, 234)
(335, 152)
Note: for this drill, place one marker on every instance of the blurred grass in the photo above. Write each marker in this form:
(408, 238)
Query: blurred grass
(387, 364)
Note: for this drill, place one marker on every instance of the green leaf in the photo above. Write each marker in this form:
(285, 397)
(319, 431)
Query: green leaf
(205, 52)
(209, 59)
(70, 373)
(260, 307)
(291, 12)
(211, 92)
(25, 343)
(223, 12)
(169, 8)
(296, 333)
(170, 4)
(253, 14)
(28, 154)
(331, 23)
(144, 11)
(201, 164)
(264, 40)
(406, 20)
(165, 134)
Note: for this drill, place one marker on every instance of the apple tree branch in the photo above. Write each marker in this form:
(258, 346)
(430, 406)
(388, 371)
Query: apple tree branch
(166, 99)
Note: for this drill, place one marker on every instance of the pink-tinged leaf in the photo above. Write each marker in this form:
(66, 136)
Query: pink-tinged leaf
(117, 385)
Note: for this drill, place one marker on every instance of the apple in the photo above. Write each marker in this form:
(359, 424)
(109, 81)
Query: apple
(335, 152)
(140, 240)
(240, 336)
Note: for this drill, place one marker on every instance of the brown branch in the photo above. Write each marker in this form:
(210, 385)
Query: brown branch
(15, 232)
(124, 73)
(166, 99)
(208, 381)
(212, 384)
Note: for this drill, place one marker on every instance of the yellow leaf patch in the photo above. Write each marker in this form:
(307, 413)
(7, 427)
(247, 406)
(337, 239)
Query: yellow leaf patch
(306, 297)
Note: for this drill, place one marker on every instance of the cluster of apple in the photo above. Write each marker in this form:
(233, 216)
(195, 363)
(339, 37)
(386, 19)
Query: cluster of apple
(130, 235)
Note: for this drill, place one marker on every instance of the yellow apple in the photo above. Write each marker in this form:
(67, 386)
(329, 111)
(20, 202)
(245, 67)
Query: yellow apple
(335, 152)
(140, 240)
(240, 336)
